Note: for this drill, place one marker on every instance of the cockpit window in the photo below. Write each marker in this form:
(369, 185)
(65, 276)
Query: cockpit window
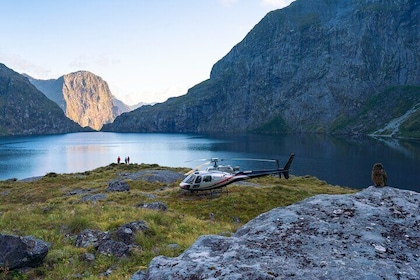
(198, 180)
(207, 178)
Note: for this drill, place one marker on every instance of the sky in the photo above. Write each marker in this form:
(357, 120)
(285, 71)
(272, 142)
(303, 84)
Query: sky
(147, 51)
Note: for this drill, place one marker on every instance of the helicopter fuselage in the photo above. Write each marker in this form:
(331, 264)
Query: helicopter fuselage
(207, 180)
(220, 176)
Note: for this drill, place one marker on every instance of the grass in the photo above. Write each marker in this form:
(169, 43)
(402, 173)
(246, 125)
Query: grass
(48, 210)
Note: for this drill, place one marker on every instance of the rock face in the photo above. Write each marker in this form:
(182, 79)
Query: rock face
(313, 66)
(18, 252)
(84, 97)
(374, 234)
(24, 110)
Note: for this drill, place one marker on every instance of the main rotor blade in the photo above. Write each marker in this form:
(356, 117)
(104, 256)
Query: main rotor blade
(197, 168)
(255, 159)
(200, 159)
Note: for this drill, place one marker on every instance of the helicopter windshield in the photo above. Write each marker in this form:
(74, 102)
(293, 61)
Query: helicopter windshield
(190, 179)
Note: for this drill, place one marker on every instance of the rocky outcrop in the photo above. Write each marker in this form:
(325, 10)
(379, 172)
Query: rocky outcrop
(313, 66)
(118, 243)
(20, 252)
(84, 97)
(118, 186)
(24, 110)
(374, 234)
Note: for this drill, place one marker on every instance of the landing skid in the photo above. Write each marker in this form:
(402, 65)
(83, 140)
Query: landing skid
(207, 193)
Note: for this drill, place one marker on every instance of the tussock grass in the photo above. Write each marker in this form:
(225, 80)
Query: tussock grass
(51, 210)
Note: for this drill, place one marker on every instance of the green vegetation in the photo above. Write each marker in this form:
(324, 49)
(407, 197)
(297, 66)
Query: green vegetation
(50, 209)
(380, 109)
(411, 127)
(276, 125)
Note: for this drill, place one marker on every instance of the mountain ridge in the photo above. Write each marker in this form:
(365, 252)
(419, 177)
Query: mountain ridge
(84, 97)
(310, 67)
(27, 111)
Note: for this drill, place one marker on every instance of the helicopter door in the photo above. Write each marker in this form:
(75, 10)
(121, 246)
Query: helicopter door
(197, 182)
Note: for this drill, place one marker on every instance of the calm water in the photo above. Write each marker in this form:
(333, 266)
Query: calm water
(337, 161)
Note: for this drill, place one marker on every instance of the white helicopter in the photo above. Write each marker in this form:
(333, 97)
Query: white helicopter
(218, 176)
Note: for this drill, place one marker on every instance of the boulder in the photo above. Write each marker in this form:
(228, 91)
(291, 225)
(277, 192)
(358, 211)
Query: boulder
(127, 232)
(19, 252)
(118, 244)
(374, 234)
(153, 206)
(118, 186)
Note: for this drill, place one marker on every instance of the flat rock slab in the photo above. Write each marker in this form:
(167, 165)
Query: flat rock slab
(155, 176)
(374, 234)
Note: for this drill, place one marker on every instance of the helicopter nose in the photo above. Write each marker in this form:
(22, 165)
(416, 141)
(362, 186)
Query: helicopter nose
(184, 186)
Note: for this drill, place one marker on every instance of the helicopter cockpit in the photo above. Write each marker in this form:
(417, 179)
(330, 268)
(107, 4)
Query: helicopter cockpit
(195, 179)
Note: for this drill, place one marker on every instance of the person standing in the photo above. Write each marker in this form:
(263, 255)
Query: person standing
(118, 159)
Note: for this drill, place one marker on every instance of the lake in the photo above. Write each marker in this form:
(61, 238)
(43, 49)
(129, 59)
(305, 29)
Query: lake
(339, 161)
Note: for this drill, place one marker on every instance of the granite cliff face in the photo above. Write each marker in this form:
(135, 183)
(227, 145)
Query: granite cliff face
(84, 97)
(374, 234)
(314, 66)
(24, 110)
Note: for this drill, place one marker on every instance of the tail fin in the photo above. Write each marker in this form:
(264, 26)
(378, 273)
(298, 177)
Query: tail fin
(287, 166)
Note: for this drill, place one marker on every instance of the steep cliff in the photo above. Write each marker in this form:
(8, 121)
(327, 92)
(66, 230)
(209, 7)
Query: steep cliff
(313, 66)
(84, 97)
(24, 110)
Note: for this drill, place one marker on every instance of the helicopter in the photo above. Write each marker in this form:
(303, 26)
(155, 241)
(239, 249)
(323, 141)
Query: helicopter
(218, 176)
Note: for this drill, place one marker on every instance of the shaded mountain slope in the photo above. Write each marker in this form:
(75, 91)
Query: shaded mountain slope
(24, 110)
(310, 67)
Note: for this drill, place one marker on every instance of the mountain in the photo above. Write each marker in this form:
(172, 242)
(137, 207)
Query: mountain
(84, 97)
(24, 110)
(138, 105)
(120, 106)
(314, 66)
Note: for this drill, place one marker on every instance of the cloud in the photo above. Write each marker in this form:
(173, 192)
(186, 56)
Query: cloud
(277, 3)
(21, 65)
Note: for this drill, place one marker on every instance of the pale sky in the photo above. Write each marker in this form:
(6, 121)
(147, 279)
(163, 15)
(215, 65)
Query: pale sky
(146, 50)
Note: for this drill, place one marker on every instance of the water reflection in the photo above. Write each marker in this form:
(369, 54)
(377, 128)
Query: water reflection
(339, 161)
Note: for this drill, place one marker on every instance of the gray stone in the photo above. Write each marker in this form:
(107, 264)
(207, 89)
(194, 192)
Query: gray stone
(373, 234)
(139, 275)
(91, 237)
(94, 197)
(118, 186)
(153, 206)
(154, 176)
(19, 252)
(113, 248)
(127, 232)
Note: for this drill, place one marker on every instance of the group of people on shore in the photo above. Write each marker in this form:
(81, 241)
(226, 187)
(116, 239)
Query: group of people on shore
(126, 160)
